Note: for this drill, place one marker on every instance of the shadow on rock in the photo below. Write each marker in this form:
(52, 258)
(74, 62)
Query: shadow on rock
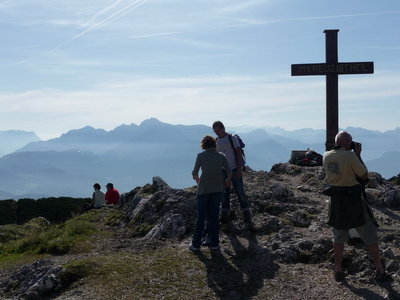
(239, 275)
(387, 285)
(364, 293)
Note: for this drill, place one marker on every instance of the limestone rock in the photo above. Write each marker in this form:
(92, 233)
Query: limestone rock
(33, 281)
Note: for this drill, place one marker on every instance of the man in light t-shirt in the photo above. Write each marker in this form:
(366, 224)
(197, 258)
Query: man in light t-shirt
(347, 207)
(235, 161)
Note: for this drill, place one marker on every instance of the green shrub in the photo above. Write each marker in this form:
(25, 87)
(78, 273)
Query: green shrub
(27, 209)
(57, 240)
(115, 218)
(8, 212)
(9, 232)
(60, 209)
(56, 210)
(395, 180)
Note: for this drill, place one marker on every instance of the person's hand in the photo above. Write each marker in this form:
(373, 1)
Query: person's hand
(227, 182)
(197, 178)
(357, 148)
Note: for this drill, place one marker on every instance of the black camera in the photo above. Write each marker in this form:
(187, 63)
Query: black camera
(353, 144)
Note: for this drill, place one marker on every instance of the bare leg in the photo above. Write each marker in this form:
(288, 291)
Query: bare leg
(376, 257)
(338, 251)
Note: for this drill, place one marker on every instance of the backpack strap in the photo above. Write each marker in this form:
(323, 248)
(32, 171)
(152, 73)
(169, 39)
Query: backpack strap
(235, 153)
(231, 142)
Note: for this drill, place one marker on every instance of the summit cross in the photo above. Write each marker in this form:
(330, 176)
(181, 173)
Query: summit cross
(332, 69)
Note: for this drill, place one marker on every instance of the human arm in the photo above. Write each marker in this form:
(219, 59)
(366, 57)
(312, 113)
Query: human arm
(238, 152)
(227, 182)
(195, 172)
(228, 173)
(107, 197)
(197, 179)
(363, 174)
(239, 161)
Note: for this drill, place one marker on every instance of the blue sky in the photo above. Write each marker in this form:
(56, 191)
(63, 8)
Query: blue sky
(68, 64)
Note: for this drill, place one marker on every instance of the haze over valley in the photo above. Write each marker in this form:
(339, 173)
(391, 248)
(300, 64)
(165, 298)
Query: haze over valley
(130, 155)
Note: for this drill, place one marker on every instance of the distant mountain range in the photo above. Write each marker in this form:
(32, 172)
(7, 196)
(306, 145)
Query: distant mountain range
(130, 155)
(11, 140)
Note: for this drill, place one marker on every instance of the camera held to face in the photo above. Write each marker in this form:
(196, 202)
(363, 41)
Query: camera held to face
(353, 145)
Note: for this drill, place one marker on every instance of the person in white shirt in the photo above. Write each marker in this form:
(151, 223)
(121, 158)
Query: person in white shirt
(98, 196)
(233, 154)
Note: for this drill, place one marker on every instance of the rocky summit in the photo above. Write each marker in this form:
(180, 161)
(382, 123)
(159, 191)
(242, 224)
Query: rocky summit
(139, 249)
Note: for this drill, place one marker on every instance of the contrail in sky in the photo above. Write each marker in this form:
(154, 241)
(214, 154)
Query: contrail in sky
(104, 10)
(133, 5)
(122, 7)
(262, 22)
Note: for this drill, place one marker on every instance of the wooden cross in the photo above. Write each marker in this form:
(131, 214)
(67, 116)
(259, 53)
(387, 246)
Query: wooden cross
(332, 68)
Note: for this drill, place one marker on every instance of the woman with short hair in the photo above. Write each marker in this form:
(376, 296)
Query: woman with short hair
(210, 190)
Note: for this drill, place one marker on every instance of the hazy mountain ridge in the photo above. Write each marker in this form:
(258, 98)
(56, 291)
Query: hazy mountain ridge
(130, 155)
(11, 140)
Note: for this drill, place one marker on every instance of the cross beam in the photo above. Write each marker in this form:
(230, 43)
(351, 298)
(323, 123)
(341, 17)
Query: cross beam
(332, 69)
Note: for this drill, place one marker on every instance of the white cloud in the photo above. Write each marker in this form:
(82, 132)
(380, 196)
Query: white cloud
(258, 101)
(9, 4)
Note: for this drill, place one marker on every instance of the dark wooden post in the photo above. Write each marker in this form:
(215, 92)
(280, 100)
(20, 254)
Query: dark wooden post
(332, 69)
(332, 87)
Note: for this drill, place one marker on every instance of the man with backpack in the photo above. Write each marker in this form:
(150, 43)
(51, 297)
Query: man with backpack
(230, 146)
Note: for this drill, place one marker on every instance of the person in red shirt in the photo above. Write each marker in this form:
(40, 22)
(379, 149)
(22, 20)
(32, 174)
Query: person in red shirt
(112, 194)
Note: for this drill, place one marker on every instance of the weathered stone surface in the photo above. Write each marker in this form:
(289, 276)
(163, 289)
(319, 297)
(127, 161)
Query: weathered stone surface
(386, 195)
(271, 224)
(33, 281)
(171, 212)
(300, 218)
(288, 229)
(169, 226)
(159, 184)
(281, 192)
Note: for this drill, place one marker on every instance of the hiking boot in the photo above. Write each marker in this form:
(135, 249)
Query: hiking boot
(205, 241)
(224, 217)
(339, 276)
(225, 227)
(246, 216)
(232, 215)
(193, 248)
(382, 276)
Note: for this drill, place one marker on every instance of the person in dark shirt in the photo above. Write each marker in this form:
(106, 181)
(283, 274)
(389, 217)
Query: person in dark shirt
(210, 191)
